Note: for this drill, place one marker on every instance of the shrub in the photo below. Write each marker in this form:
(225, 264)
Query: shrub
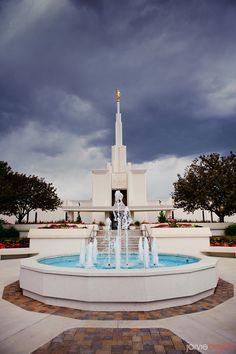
(172, 222)
(12, 233)
(230, 230)
(78, 219)
(162, 217)
(9, 234)
(24, 242)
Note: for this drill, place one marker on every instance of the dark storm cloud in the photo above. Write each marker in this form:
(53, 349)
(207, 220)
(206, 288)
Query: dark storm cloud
(173, 60)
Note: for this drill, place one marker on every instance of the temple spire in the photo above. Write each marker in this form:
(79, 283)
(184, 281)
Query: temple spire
(119, 160)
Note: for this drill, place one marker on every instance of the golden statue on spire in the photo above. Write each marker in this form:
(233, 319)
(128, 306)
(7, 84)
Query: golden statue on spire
(118, 94)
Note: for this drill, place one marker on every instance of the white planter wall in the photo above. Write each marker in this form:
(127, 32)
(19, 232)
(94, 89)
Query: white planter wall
(54, 241)
(189, 241)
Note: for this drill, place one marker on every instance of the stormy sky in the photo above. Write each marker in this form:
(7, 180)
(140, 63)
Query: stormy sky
(61, 60)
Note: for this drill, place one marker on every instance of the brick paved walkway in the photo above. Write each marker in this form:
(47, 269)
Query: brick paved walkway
(223, 292)
(115, 341)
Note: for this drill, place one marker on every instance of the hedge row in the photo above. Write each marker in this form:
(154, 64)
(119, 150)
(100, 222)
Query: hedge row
(9, 234)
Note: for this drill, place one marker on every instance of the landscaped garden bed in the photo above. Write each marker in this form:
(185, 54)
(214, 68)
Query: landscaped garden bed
(21, 243)
(171, 223)
(224, 241)
(229, 240)
(64, 225)
(10, 238)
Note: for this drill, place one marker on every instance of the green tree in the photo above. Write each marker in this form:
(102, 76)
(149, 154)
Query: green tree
(25, 193)
(6, 192)
(162, 217)
(209, 183)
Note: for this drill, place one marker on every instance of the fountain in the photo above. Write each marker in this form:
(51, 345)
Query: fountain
(122, 217)
(89, 256)
(108, 238)
(95, 250)
(118, 279)
(146, 253)
(140, 249)
(82, 253)
(155, 252)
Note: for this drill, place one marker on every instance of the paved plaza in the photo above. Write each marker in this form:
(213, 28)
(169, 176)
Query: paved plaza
(208, 329)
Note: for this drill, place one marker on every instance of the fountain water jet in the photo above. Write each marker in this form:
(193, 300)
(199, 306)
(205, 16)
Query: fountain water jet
(108, 238)
(82, 252)
(89, 255)
(95, 250)
(140, 249)
(125, 223)
(146, 253)
(155, 252)
(117, 252)
(122, 217)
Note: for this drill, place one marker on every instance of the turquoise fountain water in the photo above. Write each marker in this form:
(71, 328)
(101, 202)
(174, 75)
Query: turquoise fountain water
(165, 260)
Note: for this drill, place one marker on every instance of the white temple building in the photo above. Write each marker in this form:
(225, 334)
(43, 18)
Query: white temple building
(118, 175)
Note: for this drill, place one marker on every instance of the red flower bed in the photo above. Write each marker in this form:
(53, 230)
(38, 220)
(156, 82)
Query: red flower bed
(171, 225)
(62, 226)
(225, 244)
(21, 243)
(160, 226)
(12, 245)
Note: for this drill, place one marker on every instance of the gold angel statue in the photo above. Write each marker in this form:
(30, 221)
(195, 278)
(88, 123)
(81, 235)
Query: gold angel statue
(118, 94)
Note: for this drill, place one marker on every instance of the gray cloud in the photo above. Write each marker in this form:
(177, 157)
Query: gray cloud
(67, 166)
(61, 61)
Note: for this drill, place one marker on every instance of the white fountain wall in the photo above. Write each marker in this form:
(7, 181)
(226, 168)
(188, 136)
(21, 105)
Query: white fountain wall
(144, 289)
(54, 241)
(190, 241)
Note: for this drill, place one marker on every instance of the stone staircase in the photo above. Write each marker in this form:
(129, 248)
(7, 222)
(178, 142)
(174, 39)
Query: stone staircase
(133, 238)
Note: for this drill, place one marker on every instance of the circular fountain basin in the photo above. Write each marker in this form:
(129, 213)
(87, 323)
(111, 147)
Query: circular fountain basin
(165, 260)
(177, 280)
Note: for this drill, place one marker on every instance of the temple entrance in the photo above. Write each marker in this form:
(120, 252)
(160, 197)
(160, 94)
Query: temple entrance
(124, 192)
